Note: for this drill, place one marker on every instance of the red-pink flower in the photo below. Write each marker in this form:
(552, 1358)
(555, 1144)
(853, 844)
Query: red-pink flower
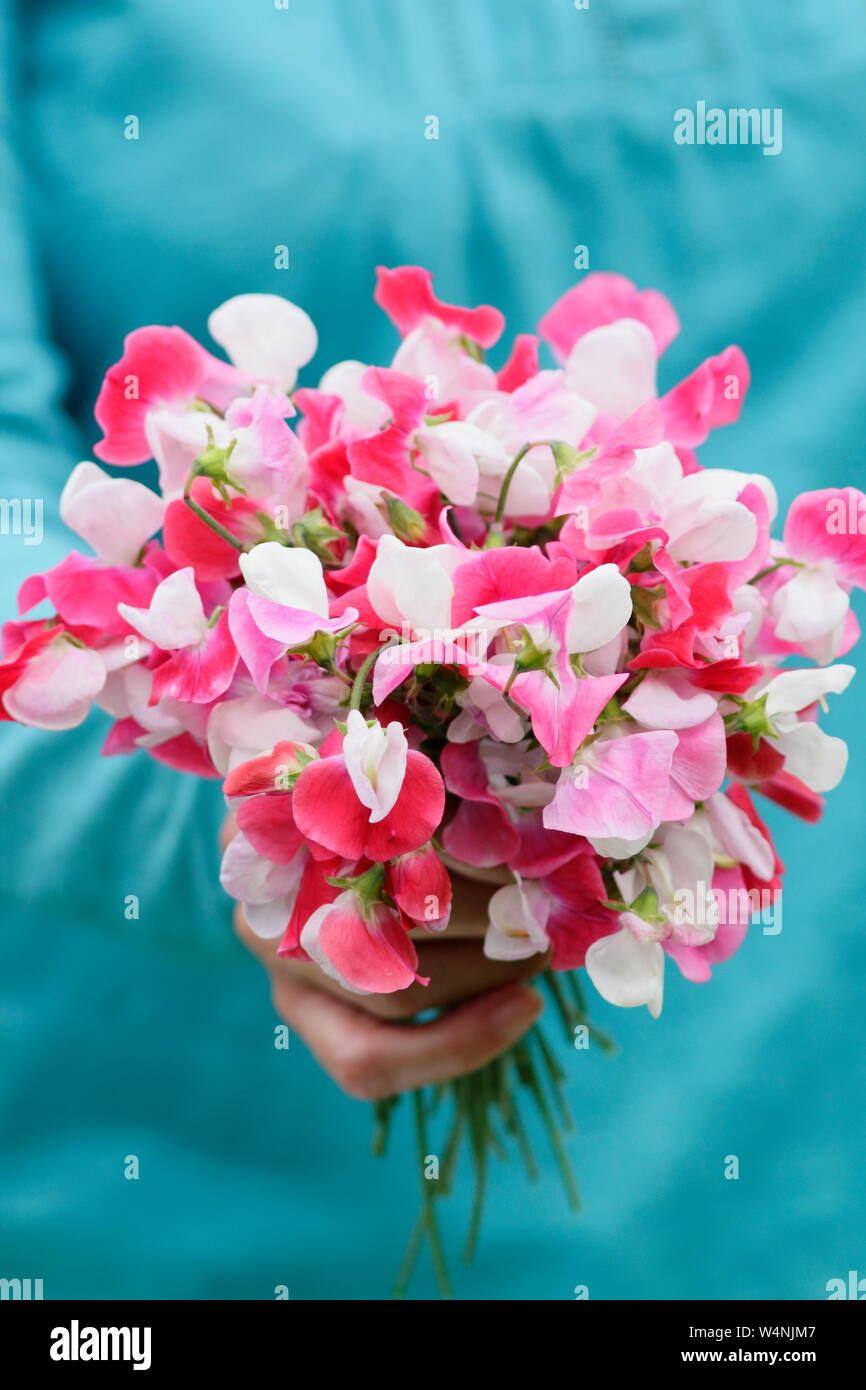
(203, 656)
(364, 946)
(159, 367)
(420, 885)
(406, 295)
(47, 677)
(375, 799)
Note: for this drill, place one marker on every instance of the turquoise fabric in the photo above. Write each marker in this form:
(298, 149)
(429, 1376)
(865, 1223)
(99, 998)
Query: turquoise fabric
(304, 127)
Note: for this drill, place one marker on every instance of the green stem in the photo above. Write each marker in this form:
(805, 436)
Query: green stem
(563, 1008)
(576, 990)
(506, 481)
(214, 525)
(382, 1111)
(512, 469)
(557, 1080)
(363, 672)
(431, 1224)
(452, 1146)
(514, 1124)
(529, 1077)
(477, 1130)
(410, 1259)
(771, 569)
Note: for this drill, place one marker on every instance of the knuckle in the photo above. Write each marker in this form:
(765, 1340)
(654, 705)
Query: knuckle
(279, 1000)
(399, 1005)
(360, 1073)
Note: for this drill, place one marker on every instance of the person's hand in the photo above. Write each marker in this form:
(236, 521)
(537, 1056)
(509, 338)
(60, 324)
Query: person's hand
(359, 1039)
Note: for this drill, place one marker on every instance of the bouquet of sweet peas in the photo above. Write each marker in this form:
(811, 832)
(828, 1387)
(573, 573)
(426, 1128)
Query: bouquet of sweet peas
(438, 617)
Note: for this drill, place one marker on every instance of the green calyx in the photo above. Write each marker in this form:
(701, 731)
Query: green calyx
(646, 906)
(321, 648)
(271, 531)
(471, 348)
(315, 532)
(213, 463)
(644, 602)
(568, 459)
(530, 658)
(407, 524)
(752, 718)
(367, 887)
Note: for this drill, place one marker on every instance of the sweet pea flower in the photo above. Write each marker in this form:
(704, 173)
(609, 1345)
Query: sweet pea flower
(360, 414)
(626, 970)
(600, 299)
(436, 336)
(610, 335)
(704, 516)
(561, 912)
(266, 336)
(451, 451)
(243, 727)
(434, 354)
(810, 605)
(50, 679)
(204, 657)
(413, 587)
(364, 947)
(172, 731)
(669, 897)
(615, 791)
(284, 604)
(115, 516)
(406, 295)
(421, 887)
(816, 758)
(267, 458)
(562, 705)
(542, 408)
(375, 799)
(267, 891)
(160, 368)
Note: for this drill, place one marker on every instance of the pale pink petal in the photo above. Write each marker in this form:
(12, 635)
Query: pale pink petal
(57, 688)
(114, 515)
(175, 617)
(627, 972)
(614, 367)
(265, 336)
(622, 791)
(288, 575)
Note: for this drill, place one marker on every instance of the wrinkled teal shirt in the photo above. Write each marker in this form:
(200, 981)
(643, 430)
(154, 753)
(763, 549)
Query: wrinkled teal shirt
(304, 127)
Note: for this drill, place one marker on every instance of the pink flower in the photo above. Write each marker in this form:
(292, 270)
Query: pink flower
(451, 451)
(284, 604)
(615, 791)
(160, 367)
(116, 516)
(49, 680)
(421, 887)
(204, 657)
(266, 336)
(600, 299)
(365, 947)
(561, 912)
(406, 295)
(809, 606)
(711, 396)
(563, 706)
(267, 890)
(375, 799)
(481, 832)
